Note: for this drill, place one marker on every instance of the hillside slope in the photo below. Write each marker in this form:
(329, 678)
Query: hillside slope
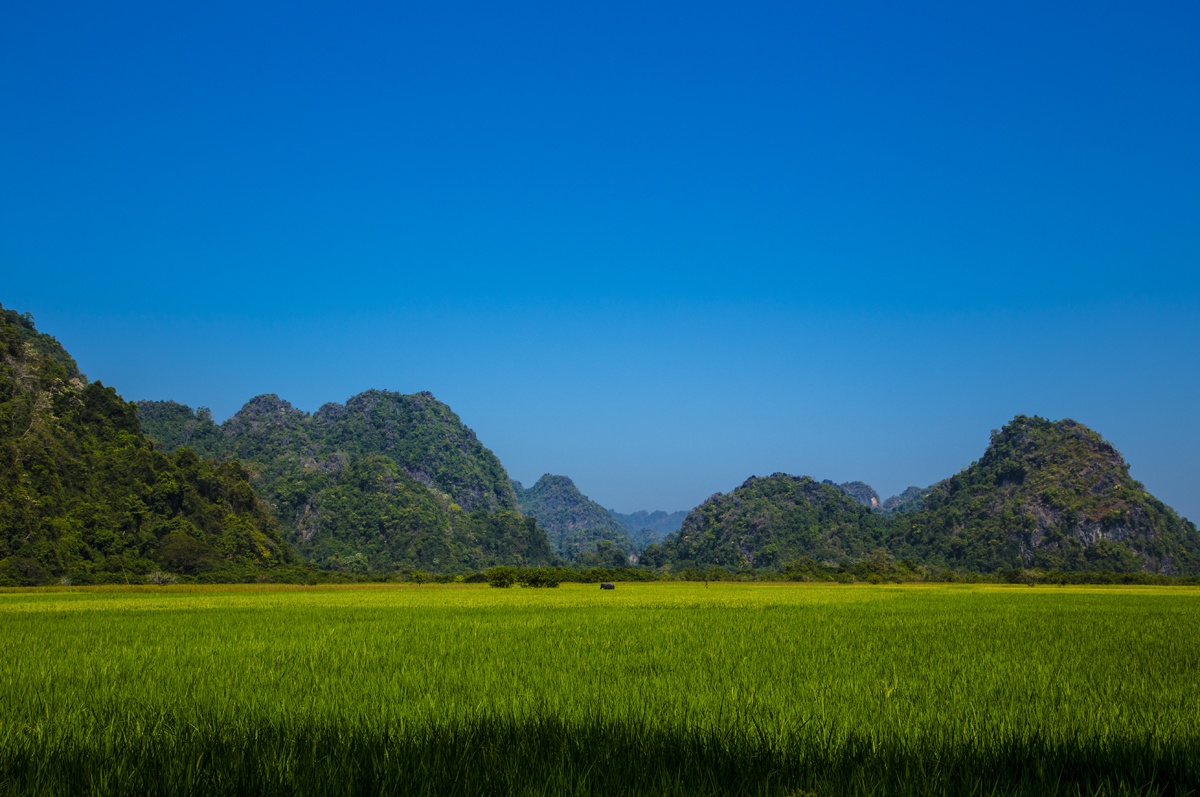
(769, 521)
(384, 482)
(575, 524)
(1052, 495)
(85, 496)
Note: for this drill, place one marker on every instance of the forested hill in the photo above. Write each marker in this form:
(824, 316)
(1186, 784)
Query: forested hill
(575, 524)
(910, 500)
(1048, 495)
(769, 521)
(385, 481)
(420, 434)
(1051, 495)
(85, 497)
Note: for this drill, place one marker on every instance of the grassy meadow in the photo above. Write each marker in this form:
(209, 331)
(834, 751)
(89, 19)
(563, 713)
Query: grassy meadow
(658, 689)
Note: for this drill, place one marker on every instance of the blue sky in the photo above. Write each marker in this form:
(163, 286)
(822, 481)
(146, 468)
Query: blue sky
(655, 247)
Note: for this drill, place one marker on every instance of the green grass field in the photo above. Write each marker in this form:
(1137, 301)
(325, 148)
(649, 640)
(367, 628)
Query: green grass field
(663, 688)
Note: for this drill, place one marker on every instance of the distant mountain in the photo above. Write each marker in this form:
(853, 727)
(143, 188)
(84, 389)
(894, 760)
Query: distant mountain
(574, 523)
(859, 491)
(910, 500)
(1052, 495)
(769, 521)
(386, 481)
(648, 527)
(84, 495)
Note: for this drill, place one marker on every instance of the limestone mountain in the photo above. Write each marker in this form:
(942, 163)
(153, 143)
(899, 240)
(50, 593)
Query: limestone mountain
(574, 523)
(85, 496)
(910, 500)
(420, 434)
(769, 521)
(859, 491)
(1051, 495)
(385, 481)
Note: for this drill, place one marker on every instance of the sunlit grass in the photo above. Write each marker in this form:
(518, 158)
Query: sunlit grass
(649, 689)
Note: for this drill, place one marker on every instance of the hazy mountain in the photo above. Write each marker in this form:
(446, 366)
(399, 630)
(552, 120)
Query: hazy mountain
(574, 523)
(1053, 495)
(385, 481)
(658, 521)
(859, 491)
(85, 496)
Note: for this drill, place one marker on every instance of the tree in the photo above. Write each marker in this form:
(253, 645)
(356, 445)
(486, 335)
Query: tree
(502, 576)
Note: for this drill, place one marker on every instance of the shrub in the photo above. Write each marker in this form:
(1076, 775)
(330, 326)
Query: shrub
(502, 576)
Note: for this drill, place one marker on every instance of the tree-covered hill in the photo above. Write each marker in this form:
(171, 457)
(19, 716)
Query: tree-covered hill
(85, 496)
(910, 500)
(1051, 495)
(769, 521)
(418, 433)
(384, 482)
(574, 523)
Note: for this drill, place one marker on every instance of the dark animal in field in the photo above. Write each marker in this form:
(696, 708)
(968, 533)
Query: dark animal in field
(607, 585)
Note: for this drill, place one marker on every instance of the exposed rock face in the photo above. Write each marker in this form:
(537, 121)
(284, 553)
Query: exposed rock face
(1054, 495)
(859, 491)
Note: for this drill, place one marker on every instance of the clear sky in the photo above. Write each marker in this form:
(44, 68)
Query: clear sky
(656, 247)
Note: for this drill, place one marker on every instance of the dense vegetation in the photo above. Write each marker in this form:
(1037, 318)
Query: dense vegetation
(655, 689)
(1047, 495)
(85, 497)
(386, 482)
(910, 500)
(772, 520)
(395, 484)
(579, 529)
(418, 433)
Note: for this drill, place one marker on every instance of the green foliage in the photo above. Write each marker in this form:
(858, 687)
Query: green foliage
(501, 577)
(85, 496)
(768, 521)
(539, 577)
(910, 500)
(575, 524)
(1050, 495)
(385, 483)
(41, 345)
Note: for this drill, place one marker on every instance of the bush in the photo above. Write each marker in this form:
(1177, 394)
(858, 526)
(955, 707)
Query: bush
(502, 576)
(540, 577)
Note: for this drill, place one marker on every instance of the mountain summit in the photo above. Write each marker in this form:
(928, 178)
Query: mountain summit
(1047, 494)
(384, 481)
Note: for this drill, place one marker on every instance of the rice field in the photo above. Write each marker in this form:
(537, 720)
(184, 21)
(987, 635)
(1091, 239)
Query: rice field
(657, 689)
